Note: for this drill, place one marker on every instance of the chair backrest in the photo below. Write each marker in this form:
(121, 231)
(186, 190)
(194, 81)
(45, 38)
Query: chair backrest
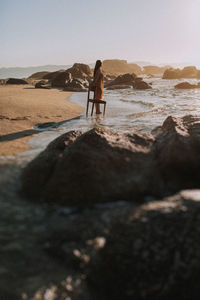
(88, 94)
(89, 90)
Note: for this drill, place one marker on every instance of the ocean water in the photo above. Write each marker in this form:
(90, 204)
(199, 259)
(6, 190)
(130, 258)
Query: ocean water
(144, 110)
(24, 223)
(129, 109)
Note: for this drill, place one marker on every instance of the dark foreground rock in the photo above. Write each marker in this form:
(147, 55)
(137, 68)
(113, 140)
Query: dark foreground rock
(154, 254)
(16, 81)
(101, 165)
(187, 85)
(60, 239)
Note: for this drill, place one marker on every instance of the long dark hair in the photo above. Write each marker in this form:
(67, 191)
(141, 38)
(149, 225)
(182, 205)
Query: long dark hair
(97, 66)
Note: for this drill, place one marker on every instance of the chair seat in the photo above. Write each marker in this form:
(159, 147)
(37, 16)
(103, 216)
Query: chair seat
(97, 101)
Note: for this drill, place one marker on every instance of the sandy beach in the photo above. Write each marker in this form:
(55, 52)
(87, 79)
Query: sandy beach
(23, 107)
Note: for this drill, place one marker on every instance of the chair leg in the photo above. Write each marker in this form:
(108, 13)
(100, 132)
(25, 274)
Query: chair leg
(92, 109)
(104, 109)
(87, 109)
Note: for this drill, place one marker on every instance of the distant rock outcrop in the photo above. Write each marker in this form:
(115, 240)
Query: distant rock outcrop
(16, 81)
(152, 254)
(101, 165)
(117, 66)
(154, 70)
(187, 85)
(172, 74)
(187, 72)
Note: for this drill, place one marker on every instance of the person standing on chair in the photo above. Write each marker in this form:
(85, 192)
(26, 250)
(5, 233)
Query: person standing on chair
(98, 84)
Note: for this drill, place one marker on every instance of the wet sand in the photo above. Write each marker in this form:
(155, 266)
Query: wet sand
(23, 107)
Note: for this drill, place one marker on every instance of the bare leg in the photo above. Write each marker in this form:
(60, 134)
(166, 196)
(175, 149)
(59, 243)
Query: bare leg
(97, 105)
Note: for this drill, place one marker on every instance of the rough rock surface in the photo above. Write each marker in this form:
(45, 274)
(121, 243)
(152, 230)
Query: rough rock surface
(187, 85)
(39, 75)
(154, 254)
(61, 79)
(77, 85)
(187, 72)
(42, 84)
(139, 84)
(52, 75)
(80, 71)
(127, 80)
(119, 66)
(16, 81)
(154, 70)
(101, 165)
(59, 239)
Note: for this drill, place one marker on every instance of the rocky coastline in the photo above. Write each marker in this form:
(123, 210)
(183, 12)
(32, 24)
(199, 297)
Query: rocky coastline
(105, 215)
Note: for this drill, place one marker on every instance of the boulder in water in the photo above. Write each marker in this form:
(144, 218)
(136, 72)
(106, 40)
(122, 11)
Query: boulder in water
(186, 85)
(187, 72)
(126, 79)
(139, 84)
(172, 74)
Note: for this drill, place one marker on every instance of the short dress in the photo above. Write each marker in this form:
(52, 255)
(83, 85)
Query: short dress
(98, 83)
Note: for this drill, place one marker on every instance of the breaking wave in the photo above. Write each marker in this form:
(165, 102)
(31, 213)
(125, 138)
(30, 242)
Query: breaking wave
(149, 104)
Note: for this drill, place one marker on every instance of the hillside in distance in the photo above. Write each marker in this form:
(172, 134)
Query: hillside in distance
(113, 66)
(23, 72)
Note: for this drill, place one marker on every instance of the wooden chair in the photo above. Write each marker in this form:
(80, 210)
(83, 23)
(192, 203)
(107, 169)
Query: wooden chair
(93, 101)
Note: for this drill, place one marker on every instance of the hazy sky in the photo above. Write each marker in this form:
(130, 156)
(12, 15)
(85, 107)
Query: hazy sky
(38, 32)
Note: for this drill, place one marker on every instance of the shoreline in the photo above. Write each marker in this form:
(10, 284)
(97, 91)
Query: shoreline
(23, 108)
